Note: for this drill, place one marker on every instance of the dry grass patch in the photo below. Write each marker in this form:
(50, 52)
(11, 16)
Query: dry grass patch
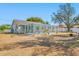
(10, 38)
(34, 51)
(39, 45)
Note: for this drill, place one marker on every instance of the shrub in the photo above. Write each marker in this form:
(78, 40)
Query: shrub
(70, 35)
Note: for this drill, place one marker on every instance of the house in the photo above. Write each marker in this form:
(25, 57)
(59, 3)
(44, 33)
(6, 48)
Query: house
(63, 28)
(24, 27)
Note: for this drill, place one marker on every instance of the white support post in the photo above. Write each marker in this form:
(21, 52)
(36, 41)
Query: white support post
(24, 29)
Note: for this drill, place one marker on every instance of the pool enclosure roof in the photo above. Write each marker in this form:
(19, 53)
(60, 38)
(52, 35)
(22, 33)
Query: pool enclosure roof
(23, 22)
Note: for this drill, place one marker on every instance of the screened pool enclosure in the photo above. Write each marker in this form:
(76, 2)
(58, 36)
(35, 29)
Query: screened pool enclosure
(24, 27)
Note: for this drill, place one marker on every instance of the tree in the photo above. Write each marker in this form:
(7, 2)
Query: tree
(36, 19)
(65, 15)
(47, 22)
(4, 27)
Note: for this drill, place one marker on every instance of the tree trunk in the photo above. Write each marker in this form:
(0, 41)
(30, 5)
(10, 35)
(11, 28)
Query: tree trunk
(68, 29)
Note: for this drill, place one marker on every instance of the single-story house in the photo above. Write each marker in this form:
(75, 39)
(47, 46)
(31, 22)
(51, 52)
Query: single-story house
(63, 28)
(24, 27)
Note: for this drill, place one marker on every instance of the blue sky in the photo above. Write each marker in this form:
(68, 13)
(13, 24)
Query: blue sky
(22, 11)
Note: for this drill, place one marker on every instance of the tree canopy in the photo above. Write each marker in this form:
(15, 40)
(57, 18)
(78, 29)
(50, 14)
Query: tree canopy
(36, 19)
(66, 15)
(5, 26)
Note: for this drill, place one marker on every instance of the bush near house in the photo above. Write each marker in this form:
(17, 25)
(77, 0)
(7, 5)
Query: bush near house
(5, 27)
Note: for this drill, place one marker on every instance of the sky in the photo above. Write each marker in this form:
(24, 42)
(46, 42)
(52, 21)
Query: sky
(22, 11)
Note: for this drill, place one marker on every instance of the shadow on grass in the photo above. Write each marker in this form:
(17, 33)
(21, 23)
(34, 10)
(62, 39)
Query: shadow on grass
(42, 41)
(25, 44)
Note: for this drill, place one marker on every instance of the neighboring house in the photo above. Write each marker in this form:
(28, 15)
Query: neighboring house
(24, 27)
(63, 28)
